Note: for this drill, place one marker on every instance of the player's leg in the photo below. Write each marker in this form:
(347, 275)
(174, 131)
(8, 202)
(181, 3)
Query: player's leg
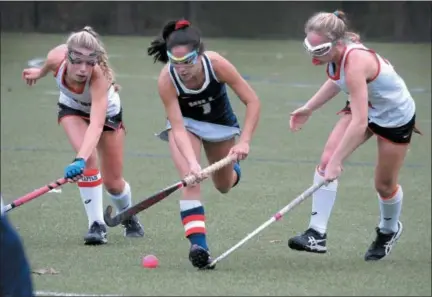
(229, 176)
(192, 211)
(90, 185)
(111, 150)
(314, 238)
(393, 145)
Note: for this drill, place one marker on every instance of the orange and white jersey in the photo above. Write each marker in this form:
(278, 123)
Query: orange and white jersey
(81, 99)
(390, 102)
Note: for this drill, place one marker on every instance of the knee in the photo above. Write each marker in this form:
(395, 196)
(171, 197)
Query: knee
(113, 184)
(325, 158)
(385, 187)
(328, 151)
(224, 184)
(223, 189)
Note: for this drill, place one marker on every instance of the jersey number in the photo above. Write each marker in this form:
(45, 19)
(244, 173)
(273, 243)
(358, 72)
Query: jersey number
(206, 108)
(205, 104)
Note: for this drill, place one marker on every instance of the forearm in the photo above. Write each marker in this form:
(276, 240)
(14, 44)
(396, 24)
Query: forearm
(184, 145)
(46, 68)
(253, 110)
(354, 136)
(91, 139)
(327, 92)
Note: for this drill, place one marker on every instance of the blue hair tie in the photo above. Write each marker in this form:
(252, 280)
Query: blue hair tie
(336, 13)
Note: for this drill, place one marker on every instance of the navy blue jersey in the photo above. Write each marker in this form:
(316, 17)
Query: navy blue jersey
(208, 104)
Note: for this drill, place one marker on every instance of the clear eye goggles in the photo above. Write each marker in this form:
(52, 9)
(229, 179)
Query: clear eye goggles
(189, 59)
(76, 57)
(319, 50)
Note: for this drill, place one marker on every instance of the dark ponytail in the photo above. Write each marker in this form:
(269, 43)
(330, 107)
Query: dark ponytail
(159, 46)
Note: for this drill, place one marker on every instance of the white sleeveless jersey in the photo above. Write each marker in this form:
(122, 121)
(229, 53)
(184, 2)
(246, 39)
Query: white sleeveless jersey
(82, 101)
(390, 102)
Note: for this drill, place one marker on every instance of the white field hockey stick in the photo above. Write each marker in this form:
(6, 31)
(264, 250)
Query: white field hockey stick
(273, 219)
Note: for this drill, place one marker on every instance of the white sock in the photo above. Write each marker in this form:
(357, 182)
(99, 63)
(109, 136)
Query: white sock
(123, 200)
(322, 204)
(189, 204)
(90, 187)
(390, 208)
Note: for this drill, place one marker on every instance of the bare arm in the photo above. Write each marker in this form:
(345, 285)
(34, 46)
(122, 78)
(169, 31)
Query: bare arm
(53, 60)
(98, 88)
(226, 72)
(357, 72)
(168, 95)
(327, 92)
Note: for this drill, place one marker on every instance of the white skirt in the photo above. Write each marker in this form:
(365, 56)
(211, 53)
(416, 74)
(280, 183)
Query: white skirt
(206, 131)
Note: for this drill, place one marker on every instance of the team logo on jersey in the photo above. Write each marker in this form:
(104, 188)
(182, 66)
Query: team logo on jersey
(201, 102)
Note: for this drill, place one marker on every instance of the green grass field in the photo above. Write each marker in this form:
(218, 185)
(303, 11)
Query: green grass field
(34, 151)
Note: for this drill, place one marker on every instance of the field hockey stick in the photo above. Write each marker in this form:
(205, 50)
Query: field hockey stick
(274, 218)
(35, 194)
(126, 214)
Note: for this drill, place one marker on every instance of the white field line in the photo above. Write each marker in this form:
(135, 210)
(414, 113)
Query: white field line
(50, 293)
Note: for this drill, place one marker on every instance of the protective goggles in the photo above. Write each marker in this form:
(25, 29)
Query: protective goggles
(319, 50)
(76, 57)
(189, 59)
